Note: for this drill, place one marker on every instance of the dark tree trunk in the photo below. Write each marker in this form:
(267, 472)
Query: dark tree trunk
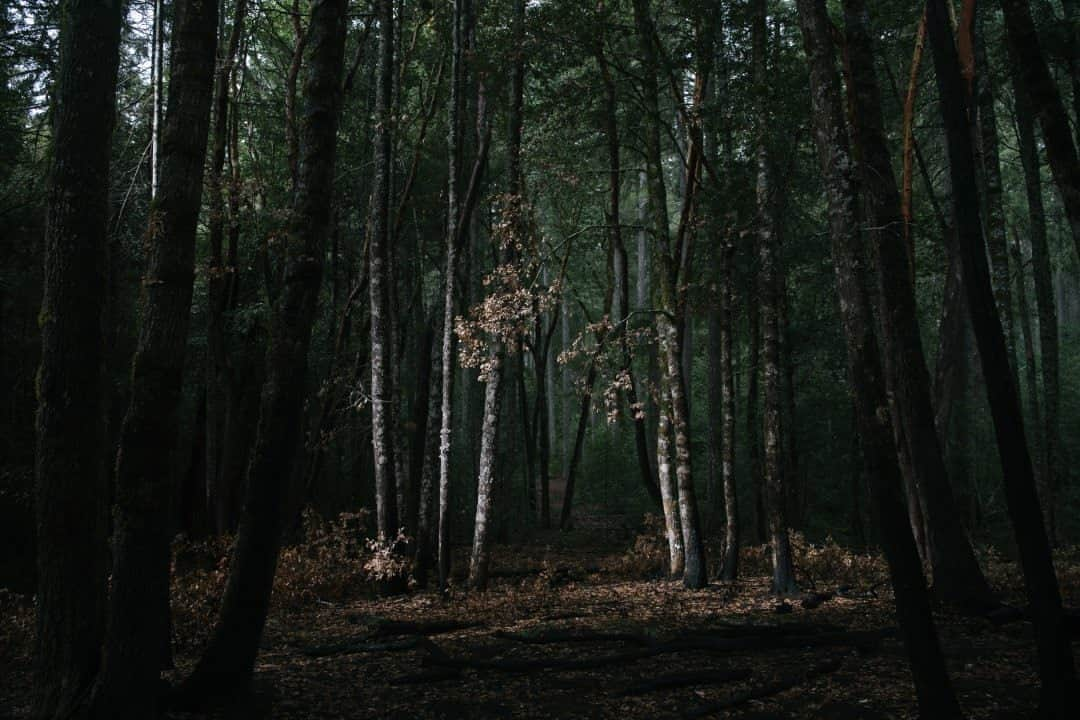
(1049, 344)
(1030, 371)
(957, 577)
(382, 397)
(427, 514)
(753, 431)
(1047, 105)
(221, 390)
(783, 581)
(1056, 668)
(71, 489)
(935, 694)
(139, 601)
(997, 242)
(226, 665)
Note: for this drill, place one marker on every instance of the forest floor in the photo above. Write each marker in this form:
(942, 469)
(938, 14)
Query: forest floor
(571, 629)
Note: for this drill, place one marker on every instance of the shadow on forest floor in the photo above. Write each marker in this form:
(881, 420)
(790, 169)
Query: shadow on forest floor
(570, 630)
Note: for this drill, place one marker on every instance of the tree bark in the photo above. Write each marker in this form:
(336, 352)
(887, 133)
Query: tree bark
(956, 573)
(1049, 342)
(139, 601)
(221, 390)
(382, 398)
(783, 581)
(729, 569)
(935, 694)
(1056, 669)
(70, 486)
(1048, 107)
(227, 663)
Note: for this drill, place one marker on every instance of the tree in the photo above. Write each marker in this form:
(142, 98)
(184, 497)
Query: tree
(956, 573)
(1056, 669)
(70, 489)
(936, 697)
(226, 665)
(783, 582)
(138, 603)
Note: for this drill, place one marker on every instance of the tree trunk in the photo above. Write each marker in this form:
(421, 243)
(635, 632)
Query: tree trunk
(1056, 669)
(729, 569)
(753, 431)
(221, 390)
(485, 486)
(1030, 372)
(226, 665)
(139, 601)
(668, 491)
(997, 242)
(382, 398)
(1047, 105)
(783, 581)
(956, 574)
(935, 694)
(1049, 344)
(70, 485)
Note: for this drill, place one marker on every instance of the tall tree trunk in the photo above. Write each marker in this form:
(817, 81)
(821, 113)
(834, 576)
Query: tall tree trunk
(1030, 370)
(1049, 344)
(226, 665)
(486, 480)
(729, 569)
(157, 82)
(753, 425)
(997, 242)
(783, 581)
(935, 694)
(957, 577)
(427, 515)
(139, 601)
(70, 483)
(221, 390)
(453, 232)
(1048, 107)
(1056, 668)
(382, 398)
(668, 491)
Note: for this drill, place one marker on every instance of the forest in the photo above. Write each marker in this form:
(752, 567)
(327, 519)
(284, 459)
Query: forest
(539, 359)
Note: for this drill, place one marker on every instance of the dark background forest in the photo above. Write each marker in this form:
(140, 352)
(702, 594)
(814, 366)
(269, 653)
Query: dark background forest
(428, 316)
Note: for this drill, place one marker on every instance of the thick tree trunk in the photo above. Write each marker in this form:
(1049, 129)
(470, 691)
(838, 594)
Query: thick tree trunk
(1056, 670)
(1047, 105)
(138, 603)
(70, 486)
(226, 665)
(957, 577)
(1049, 343)
(935, 694)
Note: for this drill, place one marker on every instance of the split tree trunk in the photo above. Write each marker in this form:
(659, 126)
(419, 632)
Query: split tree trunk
(227, 663)
(1056, 669)
(139, 601)
(956, 573)
(935, 694)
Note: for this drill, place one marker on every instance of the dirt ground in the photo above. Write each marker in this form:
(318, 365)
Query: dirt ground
(571, 629)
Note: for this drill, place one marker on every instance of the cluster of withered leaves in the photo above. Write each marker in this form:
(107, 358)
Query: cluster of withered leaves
(337, 650)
